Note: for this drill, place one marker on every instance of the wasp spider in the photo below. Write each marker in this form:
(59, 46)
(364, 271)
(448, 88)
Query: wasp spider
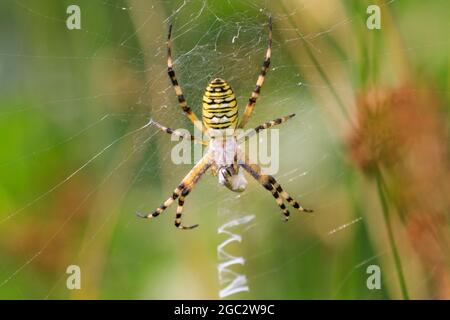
(223, 155)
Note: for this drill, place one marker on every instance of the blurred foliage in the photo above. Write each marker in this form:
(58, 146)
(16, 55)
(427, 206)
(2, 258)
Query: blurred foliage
(75, 167)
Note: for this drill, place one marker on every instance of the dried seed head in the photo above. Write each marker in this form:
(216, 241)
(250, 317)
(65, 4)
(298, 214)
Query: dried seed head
(374, 141)
(403, 131)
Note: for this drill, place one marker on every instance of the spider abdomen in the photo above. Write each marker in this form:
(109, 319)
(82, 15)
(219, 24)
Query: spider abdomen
(220, 110)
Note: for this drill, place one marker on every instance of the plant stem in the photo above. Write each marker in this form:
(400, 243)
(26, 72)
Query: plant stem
(325, 78)
(398, 262)
(317, 65)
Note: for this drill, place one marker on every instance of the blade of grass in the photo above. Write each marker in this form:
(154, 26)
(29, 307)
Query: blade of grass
(317, 65)
(384, 204)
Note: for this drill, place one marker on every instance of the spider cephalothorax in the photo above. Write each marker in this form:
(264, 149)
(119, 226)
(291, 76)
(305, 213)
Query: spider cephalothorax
(223, 154)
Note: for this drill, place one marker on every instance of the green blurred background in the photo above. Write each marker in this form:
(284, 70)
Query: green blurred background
(368, 149)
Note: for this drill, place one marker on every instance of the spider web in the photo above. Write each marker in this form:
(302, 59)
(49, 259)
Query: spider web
(92, 160)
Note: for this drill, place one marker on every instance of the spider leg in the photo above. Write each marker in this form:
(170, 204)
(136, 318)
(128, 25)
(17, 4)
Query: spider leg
(178, 91)
(269, 182)
(191, 178)
(277, 197)
(264, 180)
(265, 126)
(178, 223)
(255, 94)
(183, 195)
(177, 133)
(287, 197)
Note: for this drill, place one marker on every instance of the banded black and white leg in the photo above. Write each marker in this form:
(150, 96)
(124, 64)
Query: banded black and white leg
(269, 182)
(182, 197)
(178, 91)
(255, 94)
(179, 213)
(176, 133)
(188, 182)
(264, 126)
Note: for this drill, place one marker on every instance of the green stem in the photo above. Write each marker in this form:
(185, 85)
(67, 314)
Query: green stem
(398, 262)
(325, 78)
(317, 65)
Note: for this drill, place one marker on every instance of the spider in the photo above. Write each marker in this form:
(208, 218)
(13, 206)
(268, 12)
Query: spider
(223, 155)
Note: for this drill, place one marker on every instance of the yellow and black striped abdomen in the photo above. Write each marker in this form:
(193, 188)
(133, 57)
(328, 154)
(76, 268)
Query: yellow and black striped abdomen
(220, 110)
